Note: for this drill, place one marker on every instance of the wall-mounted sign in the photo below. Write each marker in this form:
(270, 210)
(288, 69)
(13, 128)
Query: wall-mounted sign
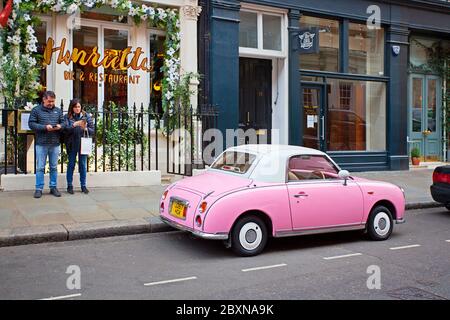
(112, 59)
(396, 50)
(308, 40)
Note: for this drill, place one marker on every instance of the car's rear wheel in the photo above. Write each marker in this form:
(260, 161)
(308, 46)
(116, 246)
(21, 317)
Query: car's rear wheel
(380, 223)
(249, 236)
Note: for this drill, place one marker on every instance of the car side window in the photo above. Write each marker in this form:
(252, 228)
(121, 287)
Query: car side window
(311, 167)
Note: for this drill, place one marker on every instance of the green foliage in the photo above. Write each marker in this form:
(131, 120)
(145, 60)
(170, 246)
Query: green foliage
(415, 152)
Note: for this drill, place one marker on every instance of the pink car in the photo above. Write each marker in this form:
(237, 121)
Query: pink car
(252, 192)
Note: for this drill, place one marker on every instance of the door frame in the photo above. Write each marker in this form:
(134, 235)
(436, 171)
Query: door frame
(322, 128)
(413, 140)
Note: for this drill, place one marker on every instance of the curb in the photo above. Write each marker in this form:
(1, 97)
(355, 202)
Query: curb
(78, 231)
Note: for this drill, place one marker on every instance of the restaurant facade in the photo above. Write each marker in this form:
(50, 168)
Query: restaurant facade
(352, 78)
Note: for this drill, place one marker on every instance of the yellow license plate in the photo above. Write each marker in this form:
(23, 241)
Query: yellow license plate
(178, 210)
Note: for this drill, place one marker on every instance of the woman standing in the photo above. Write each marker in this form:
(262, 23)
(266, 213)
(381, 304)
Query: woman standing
(76, 122)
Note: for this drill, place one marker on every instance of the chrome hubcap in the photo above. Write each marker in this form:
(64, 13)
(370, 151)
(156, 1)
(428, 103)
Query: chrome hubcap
(250, 236)
(382, 223)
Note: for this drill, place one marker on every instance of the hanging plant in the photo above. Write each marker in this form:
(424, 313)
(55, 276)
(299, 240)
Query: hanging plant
(20, 64)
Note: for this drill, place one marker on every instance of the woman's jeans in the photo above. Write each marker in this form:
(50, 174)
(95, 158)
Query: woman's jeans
(41, 159)
(82, 167)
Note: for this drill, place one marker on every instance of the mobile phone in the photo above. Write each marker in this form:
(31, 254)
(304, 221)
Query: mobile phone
(55, 126)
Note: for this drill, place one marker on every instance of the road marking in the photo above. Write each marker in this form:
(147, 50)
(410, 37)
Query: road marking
(344, 256)
(264, 268)
(169, 281)
(63, 297)
(406, 247)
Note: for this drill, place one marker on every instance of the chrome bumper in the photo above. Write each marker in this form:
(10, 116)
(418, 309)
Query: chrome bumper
(208, 236)
(400, 221)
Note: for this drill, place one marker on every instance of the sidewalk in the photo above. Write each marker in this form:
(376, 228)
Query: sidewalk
(132, 210)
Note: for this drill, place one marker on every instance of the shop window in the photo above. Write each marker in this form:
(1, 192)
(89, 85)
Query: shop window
(156, 74)
(356, 116)
(366, 50)
(84, 87)
(328, 57)
(115, 41)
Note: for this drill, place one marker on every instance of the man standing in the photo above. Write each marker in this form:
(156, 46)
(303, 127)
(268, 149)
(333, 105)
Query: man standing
(46, 120)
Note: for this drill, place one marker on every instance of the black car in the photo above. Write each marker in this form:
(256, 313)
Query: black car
(440, 190)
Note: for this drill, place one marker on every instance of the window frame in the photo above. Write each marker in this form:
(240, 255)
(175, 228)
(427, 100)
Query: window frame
(260, 51)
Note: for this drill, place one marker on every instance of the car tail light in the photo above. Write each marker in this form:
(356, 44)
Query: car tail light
(439, 177)
(198, 221)
(164, 196)
(161, 207)
(202, 208)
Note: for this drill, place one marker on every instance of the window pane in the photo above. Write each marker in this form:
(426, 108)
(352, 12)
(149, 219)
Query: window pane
(417, 105)
(237, 162)
(431, 109)
(366, 55)
(356, 116)
(156, 75)
(310, 167)
(116, 88)
(272, 32)
(248, 35)
(86, 38)
(328, 57)
(41, 35)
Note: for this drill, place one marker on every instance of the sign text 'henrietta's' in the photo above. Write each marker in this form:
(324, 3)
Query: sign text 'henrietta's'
(82, 57)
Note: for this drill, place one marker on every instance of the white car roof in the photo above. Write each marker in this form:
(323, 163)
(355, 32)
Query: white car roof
(272, 160)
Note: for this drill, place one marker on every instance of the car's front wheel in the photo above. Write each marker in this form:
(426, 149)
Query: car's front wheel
(249, 236)
(380, 223)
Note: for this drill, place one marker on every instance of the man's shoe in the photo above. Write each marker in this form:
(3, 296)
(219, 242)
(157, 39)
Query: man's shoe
(84, 190)
(38, 194)
(55, 192)
(70, 190)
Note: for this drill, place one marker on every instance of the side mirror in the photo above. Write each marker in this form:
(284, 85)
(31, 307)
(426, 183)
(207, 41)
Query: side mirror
(344, 174)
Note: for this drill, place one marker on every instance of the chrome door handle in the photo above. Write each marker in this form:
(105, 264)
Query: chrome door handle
(300, 195)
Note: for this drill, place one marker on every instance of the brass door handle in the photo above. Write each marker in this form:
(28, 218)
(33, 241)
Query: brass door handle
(426, 132)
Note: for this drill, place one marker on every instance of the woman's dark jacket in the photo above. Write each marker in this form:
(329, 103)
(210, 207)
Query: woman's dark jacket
(72, 136)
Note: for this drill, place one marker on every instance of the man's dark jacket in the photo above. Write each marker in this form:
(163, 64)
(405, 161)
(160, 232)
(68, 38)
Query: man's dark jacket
(40, 117)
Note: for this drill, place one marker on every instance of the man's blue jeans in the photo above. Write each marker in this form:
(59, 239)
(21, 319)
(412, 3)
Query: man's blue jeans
(82, 168)
(41, 159)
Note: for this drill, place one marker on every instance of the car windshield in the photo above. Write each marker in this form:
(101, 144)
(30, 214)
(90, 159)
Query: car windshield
(238, 162)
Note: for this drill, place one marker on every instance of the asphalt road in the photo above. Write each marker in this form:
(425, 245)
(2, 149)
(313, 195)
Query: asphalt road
(413, 264)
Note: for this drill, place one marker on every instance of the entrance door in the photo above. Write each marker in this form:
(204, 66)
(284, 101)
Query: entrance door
(255, 99)
(424, 121)
(313, 117)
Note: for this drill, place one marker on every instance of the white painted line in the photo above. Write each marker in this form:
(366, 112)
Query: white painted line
(169, 281)
(264, 268)
(406, 247)
(344, 256)
(63, 297)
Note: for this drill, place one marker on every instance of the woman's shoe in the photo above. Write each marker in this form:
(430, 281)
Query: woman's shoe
(84, 190)
(70, 190)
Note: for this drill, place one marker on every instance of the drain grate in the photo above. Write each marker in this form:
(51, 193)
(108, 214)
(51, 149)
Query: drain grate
(412, 293)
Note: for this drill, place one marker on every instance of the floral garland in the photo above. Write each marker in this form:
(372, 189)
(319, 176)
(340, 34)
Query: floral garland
(19, 69)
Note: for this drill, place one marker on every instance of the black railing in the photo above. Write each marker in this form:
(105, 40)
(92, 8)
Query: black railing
(126, 139)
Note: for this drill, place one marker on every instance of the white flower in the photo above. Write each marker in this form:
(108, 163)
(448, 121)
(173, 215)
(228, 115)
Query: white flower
(169, 95)
(114, 3)
(29, 106)
(170, 52)
(132, 12)
(27, 17)
(72, 8)
(162, 14)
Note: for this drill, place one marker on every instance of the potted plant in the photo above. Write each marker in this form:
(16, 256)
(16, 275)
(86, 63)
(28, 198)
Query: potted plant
(415, 156)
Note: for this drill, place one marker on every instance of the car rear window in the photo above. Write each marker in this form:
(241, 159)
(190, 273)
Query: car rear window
(238, 162)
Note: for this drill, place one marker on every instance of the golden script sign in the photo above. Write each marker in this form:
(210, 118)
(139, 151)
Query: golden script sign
(113, 59)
